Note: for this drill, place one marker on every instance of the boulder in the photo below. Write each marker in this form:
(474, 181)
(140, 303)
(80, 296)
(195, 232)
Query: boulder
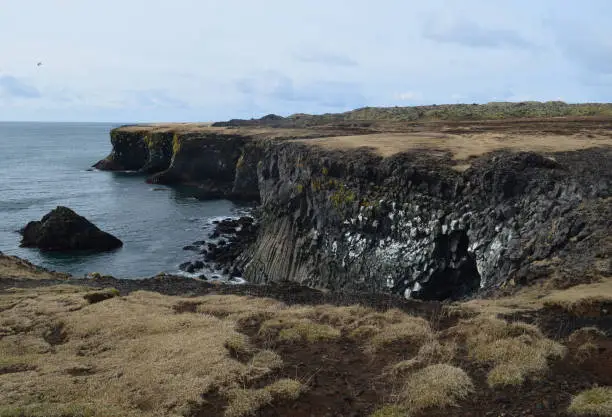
(64, 230)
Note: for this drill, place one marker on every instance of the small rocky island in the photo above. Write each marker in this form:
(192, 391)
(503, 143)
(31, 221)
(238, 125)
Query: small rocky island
(64, 230)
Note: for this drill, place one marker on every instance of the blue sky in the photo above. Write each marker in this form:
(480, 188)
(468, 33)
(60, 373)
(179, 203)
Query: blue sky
(202, 60)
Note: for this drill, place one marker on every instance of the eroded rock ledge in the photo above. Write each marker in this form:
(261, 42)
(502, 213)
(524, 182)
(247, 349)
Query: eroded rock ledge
(430, 211)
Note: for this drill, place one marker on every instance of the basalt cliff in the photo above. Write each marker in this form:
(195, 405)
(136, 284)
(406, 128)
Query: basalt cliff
(426, 207)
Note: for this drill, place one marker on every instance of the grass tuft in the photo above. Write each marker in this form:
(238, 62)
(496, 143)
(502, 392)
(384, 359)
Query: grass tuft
(266, 359)
(246, 402)
(586, 334)
(238, 345)
(285, 389)
(593, 402)
(299, 329)
(582, 300)
(413, 330)
(437, 386)
(516, 350)
(433, 352)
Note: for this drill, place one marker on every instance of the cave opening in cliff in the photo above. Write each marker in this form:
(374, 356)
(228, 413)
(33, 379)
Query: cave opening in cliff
(456, 275)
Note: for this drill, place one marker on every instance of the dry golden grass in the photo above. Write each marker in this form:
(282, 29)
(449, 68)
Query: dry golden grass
(585, 343)
(586, 334)
(245, 402)
(411, 330)
(234, 306)
(390, 411)
(430, 353)
(433, 352)
(202, 129)
(148, 354)
(401, 369)
(462, 147)
(593, 402)
(298, 329)
(133, 354)
(13, 267)
(437, 386)
(517, 350)
(266, 359)
(53, 410)
(238, 344)
(286, 389)
(580, 299)
(583, 299)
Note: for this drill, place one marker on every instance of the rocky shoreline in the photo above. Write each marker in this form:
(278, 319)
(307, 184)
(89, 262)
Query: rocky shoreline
(218, 256)
(441, 210)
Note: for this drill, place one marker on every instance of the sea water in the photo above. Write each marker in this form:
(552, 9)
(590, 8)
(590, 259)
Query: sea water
(43, 165)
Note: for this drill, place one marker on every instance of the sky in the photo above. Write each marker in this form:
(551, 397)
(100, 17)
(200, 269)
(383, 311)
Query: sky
(206, 60)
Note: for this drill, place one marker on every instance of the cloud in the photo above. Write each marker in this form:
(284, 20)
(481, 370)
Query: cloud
(12, 87)
(409, 96)
(469, 33)
(589, 50)
(326, 58)
(280, 88)
(155, 98)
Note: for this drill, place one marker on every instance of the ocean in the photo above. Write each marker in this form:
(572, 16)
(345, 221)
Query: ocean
(44, 165)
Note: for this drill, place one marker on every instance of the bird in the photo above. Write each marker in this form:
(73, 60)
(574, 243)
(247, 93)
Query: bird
(39, 64)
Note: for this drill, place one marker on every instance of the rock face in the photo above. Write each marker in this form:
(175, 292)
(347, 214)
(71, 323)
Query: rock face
(409, 223)
(143, 151)
(64, 230)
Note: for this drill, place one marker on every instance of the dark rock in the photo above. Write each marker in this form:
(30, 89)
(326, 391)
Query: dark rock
(191, 247)
(184, 266)
(64, 230)
(199, 243)
(198, 264)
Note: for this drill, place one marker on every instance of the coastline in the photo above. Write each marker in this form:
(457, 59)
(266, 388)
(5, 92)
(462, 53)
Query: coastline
(431, 210)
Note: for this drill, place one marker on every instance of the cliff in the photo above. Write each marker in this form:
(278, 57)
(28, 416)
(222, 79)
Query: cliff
(428, 210)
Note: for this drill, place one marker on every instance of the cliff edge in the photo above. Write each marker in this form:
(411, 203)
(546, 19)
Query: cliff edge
(434, 209)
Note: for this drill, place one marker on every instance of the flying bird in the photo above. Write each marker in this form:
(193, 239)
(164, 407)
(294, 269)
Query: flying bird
(39, 64)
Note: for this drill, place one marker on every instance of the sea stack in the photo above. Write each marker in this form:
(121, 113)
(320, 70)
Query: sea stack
(64, 230)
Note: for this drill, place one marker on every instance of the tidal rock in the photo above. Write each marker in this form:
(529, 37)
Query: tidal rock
(188, 267)
(64, 230)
